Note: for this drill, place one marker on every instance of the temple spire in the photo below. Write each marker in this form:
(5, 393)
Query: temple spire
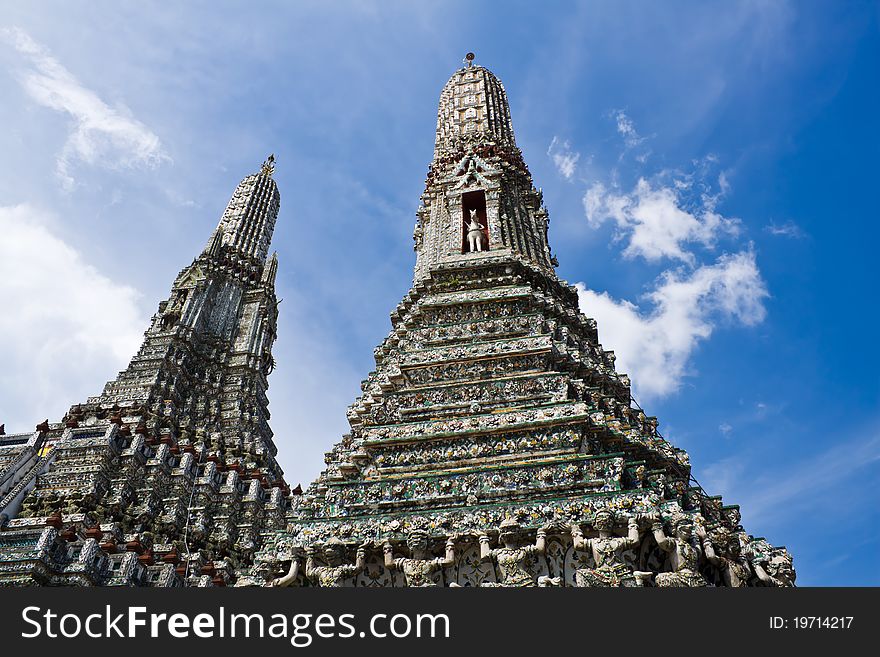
(248, 221)
(479, 196)
(494, 443)
(158, 458)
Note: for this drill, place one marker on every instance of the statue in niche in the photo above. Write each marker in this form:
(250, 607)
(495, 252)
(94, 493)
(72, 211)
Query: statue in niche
(775, 570)
(172, 313)
(418, 568)
(179, 300)
(731, 563)
(684, 558)
(475, 233)
(610, 568)
(335, 572)
(513, 557)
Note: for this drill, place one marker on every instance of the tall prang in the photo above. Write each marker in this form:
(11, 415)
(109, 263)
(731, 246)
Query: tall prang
(168, 476)
(495, 444)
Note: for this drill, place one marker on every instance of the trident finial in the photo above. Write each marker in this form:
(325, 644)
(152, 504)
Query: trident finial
(269, 166)
(469, 59)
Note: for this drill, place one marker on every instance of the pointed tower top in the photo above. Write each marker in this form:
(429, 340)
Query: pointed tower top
(248, 221)
(479, 196)
(473, 107)
(268, 166)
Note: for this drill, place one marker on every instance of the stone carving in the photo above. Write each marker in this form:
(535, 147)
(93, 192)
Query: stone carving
(586, 473)
(468, 309)
(334, 572)
(683, 556)
(418, 568)
(732, 564)
(475, 233)
(610, 570)
(470, 519)
(514, 559)
(290, 577)
(774, 568)
(458, 371)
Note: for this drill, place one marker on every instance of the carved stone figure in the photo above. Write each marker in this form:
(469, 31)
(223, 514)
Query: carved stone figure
(684, 558)
(334, 573)
(290, 578)
(732, 564)
(475, 233)
(512, 558)
(610, 569)
(776, 570)
(418, 568)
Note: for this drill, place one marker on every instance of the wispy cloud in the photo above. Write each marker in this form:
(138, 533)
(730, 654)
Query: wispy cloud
(788, 229)
(563, 158)
(724, 475)
(793, 486)
(101, 135)
(655, 345)
(627, 129)
(633, 142)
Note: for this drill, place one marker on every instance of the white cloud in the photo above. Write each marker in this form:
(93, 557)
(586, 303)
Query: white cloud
(665, 217)
(655, 220)
(654, 346)
(563, 157)
(725, 429)
(627, 129)
(788, 229)
(65, 327)
(101, 134)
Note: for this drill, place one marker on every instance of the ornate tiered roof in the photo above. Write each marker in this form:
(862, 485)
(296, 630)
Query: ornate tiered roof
(495, 417)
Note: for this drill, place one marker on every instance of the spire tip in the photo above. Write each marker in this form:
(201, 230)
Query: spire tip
(269, 165)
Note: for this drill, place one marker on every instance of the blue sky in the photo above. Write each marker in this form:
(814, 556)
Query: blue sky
(709, 169)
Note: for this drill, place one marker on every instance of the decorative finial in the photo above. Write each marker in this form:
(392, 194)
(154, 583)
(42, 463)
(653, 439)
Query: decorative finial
(269, 166)
(469, 59)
